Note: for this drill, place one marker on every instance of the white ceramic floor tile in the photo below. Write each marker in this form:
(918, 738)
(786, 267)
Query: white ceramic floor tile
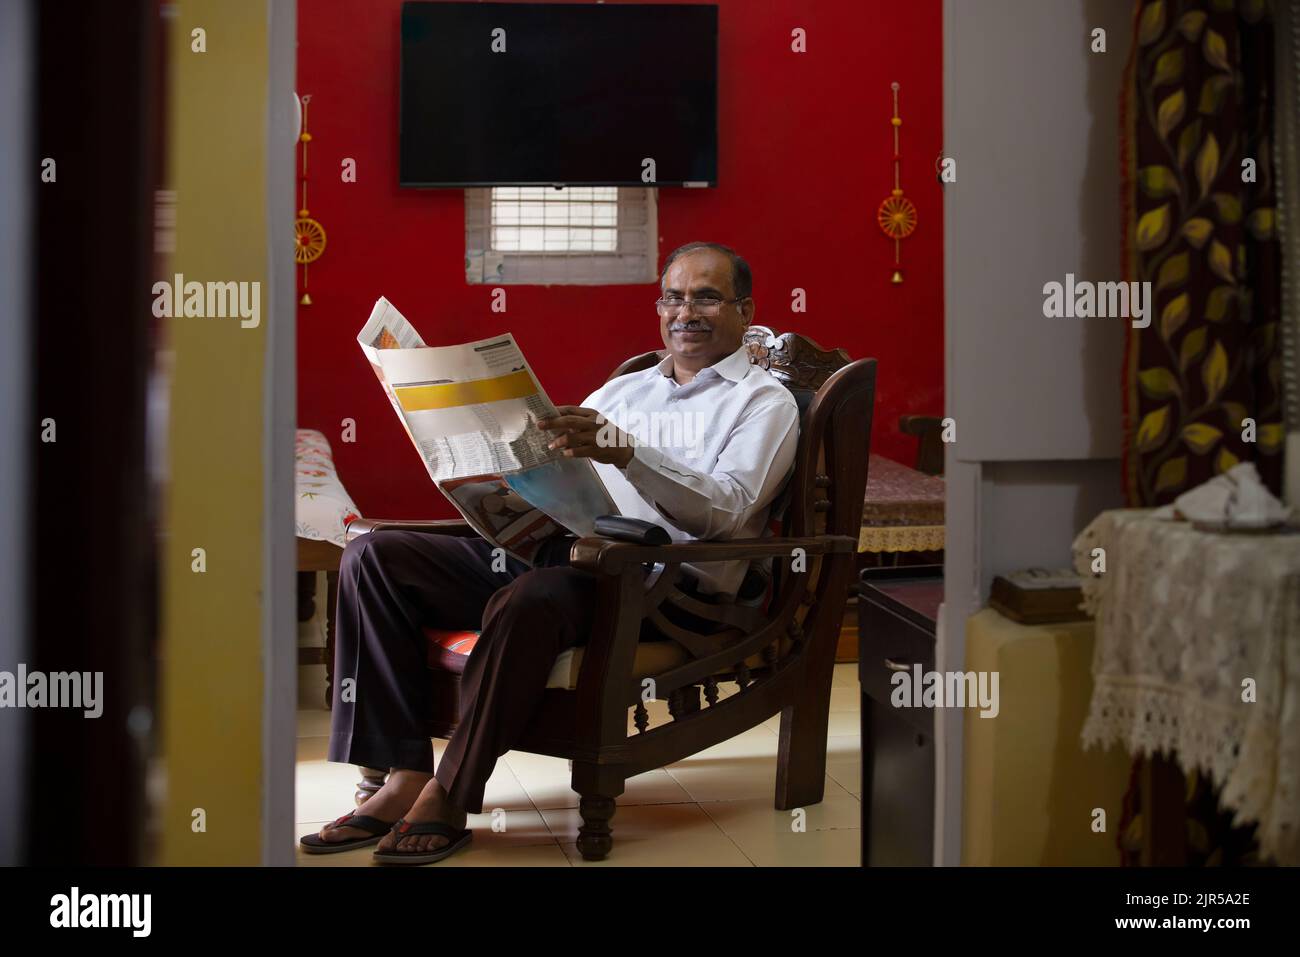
(824, 834)
(754, 742)
(544, 779)
(844, 762)
(652, 787)
(845, 723)
(324, 790)
(548, 783)
(504, 790)
(845, 698)
(840, 723)
(665, 835)
(846, 675)
(741, 768)
(837, 810)
(512, 828)
(313, 748)
(730, 779)
(783, 848)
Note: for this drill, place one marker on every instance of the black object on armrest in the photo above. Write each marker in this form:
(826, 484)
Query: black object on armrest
(635, 530)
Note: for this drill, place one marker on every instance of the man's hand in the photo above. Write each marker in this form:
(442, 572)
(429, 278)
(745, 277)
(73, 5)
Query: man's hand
(586, 434)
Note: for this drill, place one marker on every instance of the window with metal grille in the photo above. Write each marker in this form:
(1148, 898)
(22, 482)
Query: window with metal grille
(588, 235)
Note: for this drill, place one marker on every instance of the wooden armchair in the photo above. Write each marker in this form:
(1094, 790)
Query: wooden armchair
(780, 654)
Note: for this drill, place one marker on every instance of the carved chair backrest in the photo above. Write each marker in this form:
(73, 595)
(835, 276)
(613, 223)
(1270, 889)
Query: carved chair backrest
(804, 605)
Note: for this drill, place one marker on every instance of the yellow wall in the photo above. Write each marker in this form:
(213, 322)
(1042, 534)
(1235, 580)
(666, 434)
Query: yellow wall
(212, 678)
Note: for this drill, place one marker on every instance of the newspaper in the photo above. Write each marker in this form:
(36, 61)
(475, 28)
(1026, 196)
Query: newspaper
(471, 411)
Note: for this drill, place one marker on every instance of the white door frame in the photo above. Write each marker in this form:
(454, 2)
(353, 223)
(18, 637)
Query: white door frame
(280, 412)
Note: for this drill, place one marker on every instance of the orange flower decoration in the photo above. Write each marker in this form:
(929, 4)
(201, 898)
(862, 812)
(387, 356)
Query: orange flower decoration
(897, 217)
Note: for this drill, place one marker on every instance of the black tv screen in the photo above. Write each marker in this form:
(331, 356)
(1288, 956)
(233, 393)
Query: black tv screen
(558, 93)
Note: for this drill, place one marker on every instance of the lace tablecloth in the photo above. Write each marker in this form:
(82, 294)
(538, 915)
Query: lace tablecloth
(902, 510)
(1198, 653)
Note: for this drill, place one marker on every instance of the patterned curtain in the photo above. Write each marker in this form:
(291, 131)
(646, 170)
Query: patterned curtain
(1201, 227)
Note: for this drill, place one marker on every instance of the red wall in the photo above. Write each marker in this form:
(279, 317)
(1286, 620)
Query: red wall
(804, 160)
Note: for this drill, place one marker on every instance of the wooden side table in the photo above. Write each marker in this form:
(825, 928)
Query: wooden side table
(317, 556)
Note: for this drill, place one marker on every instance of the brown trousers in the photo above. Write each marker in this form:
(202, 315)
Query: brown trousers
(394, 583)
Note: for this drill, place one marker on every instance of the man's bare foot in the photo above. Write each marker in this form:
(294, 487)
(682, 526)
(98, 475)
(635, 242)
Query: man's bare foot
(387, 804)
(431, 805)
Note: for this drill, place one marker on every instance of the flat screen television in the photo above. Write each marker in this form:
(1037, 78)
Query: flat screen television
(572, 94)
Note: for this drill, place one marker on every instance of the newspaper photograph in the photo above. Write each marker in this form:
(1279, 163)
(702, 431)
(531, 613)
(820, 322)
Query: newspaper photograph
(471, 411)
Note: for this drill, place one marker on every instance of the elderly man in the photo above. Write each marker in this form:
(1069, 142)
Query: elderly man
(740, 429)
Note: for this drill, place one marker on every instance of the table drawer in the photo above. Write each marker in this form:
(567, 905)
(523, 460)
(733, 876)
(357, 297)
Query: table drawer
(891, 643)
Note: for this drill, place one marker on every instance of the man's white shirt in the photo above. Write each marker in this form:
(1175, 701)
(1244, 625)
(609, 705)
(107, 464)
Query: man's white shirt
(710, 456)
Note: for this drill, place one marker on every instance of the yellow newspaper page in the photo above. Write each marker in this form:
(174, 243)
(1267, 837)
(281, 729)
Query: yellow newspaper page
(471, 411)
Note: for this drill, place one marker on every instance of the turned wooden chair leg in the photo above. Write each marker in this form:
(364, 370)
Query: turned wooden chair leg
(372, 779)
(595, 836)
(597, 787)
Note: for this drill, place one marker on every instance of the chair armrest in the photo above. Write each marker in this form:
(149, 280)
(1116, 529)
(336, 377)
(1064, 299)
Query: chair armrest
(604, 555)
(605, 683)
(439, 526)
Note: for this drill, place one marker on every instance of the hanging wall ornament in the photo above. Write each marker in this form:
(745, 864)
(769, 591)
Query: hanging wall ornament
(309, 235)
(897, 215)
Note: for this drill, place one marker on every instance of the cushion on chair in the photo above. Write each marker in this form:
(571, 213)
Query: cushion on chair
(449, 649)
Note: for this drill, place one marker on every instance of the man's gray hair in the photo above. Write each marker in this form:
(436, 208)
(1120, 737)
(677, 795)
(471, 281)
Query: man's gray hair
(742, 279)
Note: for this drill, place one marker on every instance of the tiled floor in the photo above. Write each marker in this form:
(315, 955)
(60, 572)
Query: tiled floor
(714, 808)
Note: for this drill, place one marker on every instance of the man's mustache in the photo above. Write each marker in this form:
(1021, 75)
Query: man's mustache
(693, 325)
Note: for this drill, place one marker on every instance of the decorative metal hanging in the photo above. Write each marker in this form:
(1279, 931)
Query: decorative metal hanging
(309, 235)
(897, 215)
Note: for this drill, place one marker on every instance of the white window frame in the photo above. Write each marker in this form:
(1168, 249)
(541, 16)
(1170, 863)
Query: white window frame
(634, 261)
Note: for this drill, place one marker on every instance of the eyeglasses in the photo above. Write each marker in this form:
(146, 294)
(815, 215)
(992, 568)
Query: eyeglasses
(702, 307)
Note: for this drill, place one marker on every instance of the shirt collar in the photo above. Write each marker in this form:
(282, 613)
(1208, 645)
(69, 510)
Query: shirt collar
(735, 367)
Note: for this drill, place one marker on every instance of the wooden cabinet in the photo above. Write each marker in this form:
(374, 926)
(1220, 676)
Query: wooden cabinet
(897, 611)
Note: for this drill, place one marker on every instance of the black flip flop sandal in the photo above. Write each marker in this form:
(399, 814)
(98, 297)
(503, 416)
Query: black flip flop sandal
(313, 844)
(458, 838)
